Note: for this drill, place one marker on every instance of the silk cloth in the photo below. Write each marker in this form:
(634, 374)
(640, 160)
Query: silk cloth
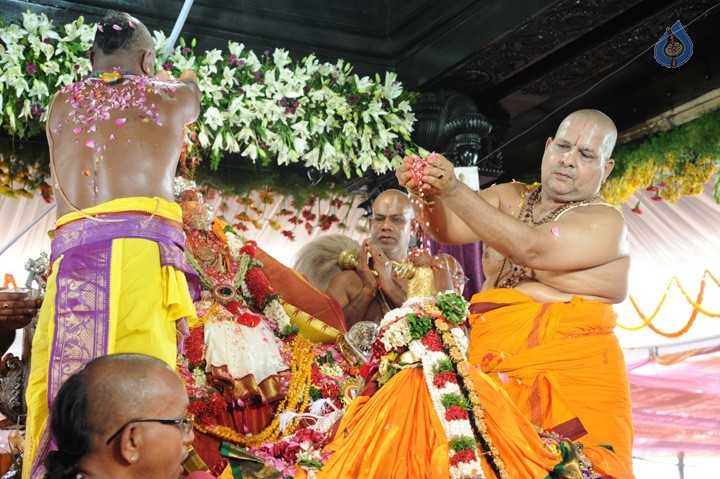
(396, 434)
(297, 291)
(117, 286)
(559, 363)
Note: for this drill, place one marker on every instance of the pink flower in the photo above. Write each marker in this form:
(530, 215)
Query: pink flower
(120, 121)
(30, 68)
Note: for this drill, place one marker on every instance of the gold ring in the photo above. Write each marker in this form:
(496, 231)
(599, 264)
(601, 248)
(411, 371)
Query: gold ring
(5, 305)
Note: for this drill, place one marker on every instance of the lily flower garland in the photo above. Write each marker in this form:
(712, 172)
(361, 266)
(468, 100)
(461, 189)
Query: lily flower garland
(429, 333)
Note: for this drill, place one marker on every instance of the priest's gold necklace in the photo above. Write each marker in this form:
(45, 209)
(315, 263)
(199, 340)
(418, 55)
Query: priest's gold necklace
(527, 216)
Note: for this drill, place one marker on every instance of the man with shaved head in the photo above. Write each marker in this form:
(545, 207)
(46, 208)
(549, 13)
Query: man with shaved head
(373, 289)
(555, 258)
(122, 416)
(119, 280)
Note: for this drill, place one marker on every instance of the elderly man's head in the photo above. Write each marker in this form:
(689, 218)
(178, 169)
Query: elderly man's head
(123, 415)
(577, 160)
(392, 223)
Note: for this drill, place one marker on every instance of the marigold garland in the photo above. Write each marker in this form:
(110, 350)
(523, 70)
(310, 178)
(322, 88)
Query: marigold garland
(696, 304)
(296, 400)
(468, 387)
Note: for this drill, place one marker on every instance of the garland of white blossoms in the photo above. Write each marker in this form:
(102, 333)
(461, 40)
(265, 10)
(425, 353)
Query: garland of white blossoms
(430, 330)
(245, 253)
(268, 109)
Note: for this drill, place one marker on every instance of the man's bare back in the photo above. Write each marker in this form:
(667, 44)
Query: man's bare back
(130, 152)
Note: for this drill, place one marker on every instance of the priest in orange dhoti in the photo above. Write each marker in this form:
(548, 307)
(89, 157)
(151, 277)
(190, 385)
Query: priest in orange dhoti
(542, 391)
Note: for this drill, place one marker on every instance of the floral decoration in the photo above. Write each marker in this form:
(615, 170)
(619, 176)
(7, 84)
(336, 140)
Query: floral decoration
(206, 402)
(256, 287)
(429, 334)
(669, 165)
(269, 110)
(330, 371)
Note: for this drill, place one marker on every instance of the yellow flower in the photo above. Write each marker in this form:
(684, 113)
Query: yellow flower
(111, 77)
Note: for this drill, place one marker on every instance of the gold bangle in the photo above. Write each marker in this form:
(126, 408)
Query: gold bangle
(370, 289)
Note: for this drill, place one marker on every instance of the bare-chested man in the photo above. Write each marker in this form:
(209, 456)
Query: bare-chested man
(362, 295)
(118, 280)
(555, 259)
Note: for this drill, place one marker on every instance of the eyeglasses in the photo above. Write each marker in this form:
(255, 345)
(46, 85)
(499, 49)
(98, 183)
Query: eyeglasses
(185, 425)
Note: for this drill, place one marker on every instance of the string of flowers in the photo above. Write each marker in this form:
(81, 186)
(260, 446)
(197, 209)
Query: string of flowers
(256, 288)
(271, 110)
(669, 165)
(430, 330)
(296, 212)
(331, 374)
(206, 402)
(696, 305)
(296, 400)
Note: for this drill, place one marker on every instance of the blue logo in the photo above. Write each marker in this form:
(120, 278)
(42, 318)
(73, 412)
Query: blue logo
(674, 48)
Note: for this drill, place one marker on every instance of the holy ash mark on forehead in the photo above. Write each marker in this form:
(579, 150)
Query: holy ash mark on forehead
(589, 136)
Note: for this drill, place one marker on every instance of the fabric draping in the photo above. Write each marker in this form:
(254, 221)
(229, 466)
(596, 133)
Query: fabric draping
(561, 364)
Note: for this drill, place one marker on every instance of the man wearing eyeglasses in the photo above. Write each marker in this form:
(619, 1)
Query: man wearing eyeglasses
(122, 416)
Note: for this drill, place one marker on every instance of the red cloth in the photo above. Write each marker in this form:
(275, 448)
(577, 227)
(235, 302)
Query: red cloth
(295, 290)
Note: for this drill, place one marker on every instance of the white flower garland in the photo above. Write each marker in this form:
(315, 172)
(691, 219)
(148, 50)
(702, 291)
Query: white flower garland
(395, 337)
(276, 313)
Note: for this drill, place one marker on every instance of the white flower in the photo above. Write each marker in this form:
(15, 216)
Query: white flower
(203, 137)
(363, 84)
(461, 339)
(232, 145)
(235, 48)
(235, 242)
(213, 118)
(392, 88)
(393, 315)
(276, 313)
(251, 151)
(199, 378)
(280, 58)
(50, 67)
(333, 370)
(396, 336)
(229, 77)
(39, 90)
(11, 33)
(213, 56)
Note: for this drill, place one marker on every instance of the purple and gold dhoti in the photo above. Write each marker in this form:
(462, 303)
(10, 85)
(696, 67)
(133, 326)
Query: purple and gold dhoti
(118, 285)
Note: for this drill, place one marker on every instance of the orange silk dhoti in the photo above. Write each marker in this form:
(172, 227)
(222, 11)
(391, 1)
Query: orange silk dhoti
(396, 434)
(563, 367)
